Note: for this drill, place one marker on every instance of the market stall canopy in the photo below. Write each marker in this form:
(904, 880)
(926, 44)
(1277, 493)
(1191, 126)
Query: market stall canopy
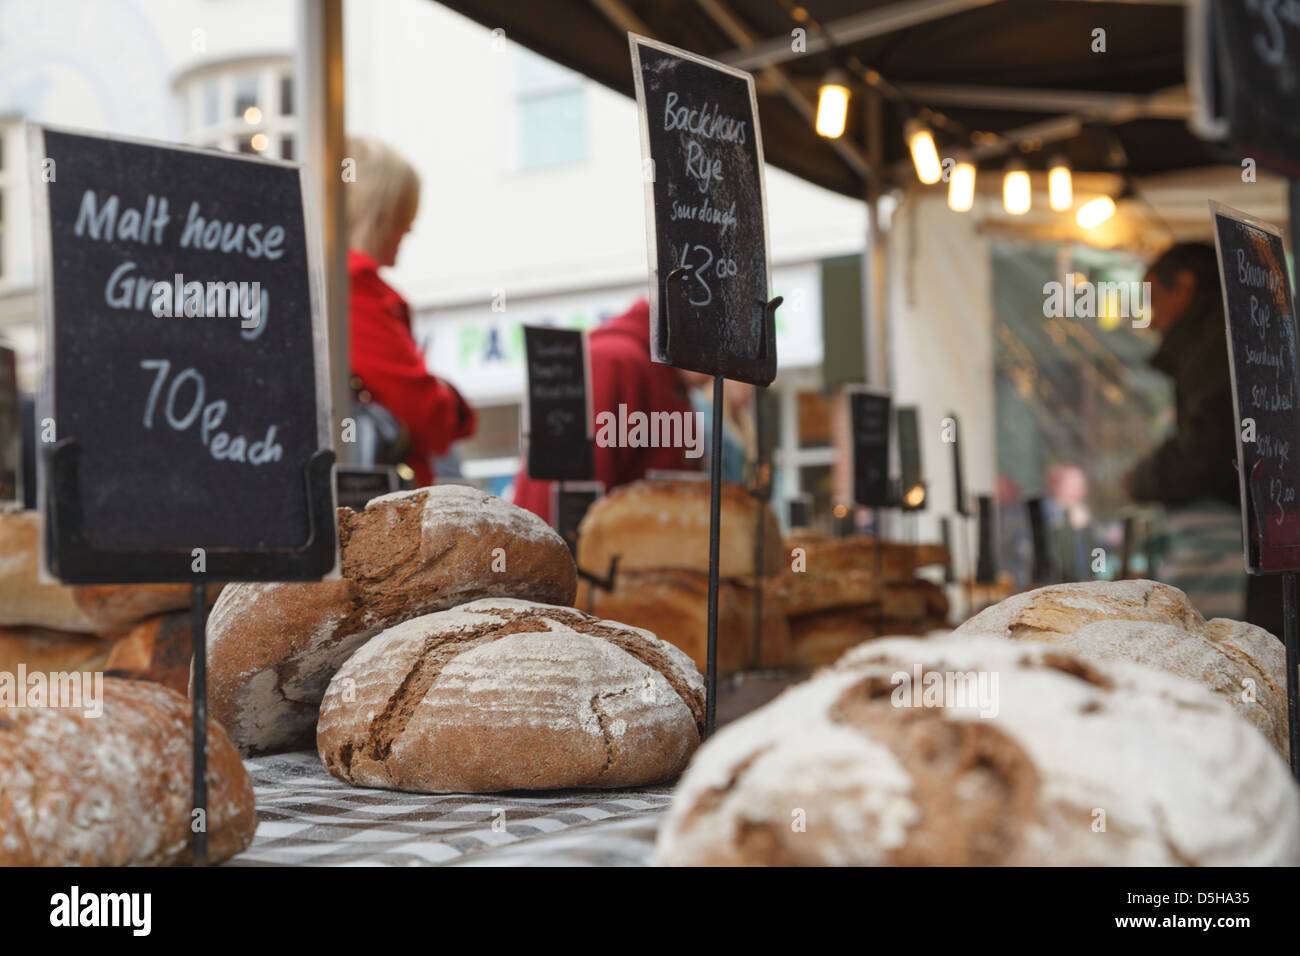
(996, 78)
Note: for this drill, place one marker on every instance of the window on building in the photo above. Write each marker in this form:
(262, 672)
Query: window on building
(551, 111)
(244, 108)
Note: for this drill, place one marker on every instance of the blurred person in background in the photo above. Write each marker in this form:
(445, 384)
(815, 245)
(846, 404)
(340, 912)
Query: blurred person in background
(388, 366)
(622, 373)
(1193, 471)
(739, 436)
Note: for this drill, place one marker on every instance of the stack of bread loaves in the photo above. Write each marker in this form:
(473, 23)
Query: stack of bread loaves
(840, 591)
(978, 750)
(448, 659)
(659, 532)
(138, 630)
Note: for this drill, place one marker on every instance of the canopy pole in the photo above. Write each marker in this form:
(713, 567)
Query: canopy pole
(318, 80)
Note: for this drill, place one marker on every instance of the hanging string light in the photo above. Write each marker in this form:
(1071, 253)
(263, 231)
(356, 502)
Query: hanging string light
(833, 104)
(1016, 189)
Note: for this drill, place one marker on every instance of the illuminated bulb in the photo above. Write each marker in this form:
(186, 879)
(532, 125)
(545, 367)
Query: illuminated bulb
(1060, 186)
(1094, 212)
(1016, 189)
(833, 104)
(961, 186)
(924, 155)
(252, 116)
(259, 142)
(915, 496)
(841, 511)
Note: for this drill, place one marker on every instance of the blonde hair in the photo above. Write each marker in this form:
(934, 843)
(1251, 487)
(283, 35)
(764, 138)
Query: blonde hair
(383, 198)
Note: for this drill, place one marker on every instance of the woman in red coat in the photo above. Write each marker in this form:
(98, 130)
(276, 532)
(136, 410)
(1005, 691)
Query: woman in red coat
(381, 205)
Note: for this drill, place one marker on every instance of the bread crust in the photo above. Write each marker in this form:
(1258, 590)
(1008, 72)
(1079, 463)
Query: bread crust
(272, 648)
(1077, 765)
(1154, 624)
(673, 605)
(664, 525)
(503, 694)
(115, 790)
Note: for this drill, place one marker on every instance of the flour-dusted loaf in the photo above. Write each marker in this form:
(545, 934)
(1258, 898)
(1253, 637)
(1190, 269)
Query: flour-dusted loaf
(115, 789)
(24, 601)
(1079, 764)
(664, 525)
(272, 648)
(1154, 624)
(674, 606)
(504, 694)
(41, 649)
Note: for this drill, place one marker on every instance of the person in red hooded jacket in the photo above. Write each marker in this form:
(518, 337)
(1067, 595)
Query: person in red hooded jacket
(381, 205)
(622, 374)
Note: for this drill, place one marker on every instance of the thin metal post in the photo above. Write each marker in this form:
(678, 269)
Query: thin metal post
(1291, 637)
(199, 693)
(715, 516)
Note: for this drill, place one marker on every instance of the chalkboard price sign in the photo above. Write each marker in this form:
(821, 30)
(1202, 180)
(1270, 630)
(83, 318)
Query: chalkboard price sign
(185, 374)
(869, 414)
(1260, 315)
(11, 430)
(355, 487)
(912, 482)
(558, 419)
(706, 215)
(570, 504)
(1244, 71)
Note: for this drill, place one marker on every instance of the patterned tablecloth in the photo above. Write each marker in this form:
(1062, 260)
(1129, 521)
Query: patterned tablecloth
(305, 816)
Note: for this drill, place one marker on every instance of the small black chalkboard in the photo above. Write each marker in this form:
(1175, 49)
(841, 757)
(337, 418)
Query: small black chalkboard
(706, 214)
(912, 482)
(1041, 569)
(558, 417)
(355, 487)
(952, 434)
(800, 511)
(986, 563)
(570, 505)
(1251, 58)
(1260, 315)
(178, 431)
(11, 430)
(869, 414)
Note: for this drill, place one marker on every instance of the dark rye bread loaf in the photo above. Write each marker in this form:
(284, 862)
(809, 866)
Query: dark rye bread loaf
(272, 648)
(509, 695)
(908, 753)
(114, 789)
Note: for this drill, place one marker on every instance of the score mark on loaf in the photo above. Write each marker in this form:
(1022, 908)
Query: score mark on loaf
(272, 648)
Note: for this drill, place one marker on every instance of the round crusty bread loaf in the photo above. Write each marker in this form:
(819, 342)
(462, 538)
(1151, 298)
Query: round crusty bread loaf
(25, 601)
(664, 525)
(272, 648)
(504, 694)
(115, 789)
(1080, 765)
(1152, 623)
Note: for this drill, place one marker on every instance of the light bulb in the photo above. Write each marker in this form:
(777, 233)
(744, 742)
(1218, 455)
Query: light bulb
(1094, 212)
(1060, 185)
(961, 186)
(832, 105)
(1016, 190)
(924, 155)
